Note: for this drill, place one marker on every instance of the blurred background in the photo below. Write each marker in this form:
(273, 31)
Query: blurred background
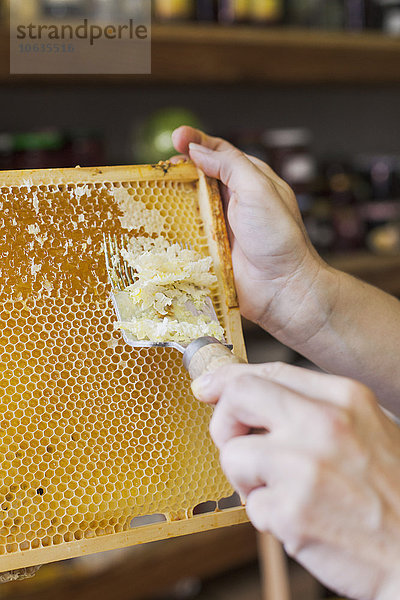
(312, 87)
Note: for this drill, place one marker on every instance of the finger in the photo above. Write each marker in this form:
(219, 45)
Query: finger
(267, 170)
(233, 168)
(256, 460)
(178, 158)
(183, 136)
(260, 506)
(215, 155)
(280, 507)
(281, 187)
(254, 199)
(319, 386)
(242, 460)
(263, 506)
(250, 402)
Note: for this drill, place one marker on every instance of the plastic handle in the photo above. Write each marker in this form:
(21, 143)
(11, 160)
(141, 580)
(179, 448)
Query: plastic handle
(206, 354)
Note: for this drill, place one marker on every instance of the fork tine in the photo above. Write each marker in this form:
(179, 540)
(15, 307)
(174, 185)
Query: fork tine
(120, 273)
(120, 263)
(127, 267)
(185, 245)
(131, 270)
(108, 253)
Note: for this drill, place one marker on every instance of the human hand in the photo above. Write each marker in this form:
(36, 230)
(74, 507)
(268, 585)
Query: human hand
(322, 472)
(282, 283)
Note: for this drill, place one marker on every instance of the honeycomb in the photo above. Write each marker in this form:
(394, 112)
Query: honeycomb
(94, 432)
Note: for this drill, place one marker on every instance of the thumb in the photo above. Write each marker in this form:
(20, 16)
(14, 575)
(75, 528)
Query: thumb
(232, 167)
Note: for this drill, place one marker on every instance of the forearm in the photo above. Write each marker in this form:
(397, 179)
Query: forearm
(346, 327)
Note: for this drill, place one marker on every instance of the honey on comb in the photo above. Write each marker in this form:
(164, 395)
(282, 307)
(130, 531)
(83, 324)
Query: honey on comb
(95, 432)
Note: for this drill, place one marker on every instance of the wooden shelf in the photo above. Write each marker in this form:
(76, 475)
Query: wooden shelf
(235, 55)
(215, 54)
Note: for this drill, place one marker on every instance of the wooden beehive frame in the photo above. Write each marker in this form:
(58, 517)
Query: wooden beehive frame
(213, 220)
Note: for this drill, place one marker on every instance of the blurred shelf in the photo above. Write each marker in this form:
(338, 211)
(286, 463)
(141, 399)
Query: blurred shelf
(190, 54)
(381, 271)
(257, 55)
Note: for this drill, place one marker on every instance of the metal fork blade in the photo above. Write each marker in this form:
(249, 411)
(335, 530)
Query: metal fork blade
(123, 311)
(120, 273)
(127, 267)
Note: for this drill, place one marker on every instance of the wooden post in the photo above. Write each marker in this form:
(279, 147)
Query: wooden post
(273, 567)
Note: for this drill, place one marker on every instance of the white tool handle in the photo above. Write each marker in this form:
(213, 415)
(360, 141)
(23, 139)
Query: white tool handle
(206, 354)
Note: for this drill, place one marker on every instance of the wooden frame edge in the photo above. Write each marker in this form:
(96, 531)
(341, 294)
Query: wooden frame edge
(114, 541)
(82, 175)
(218, 242)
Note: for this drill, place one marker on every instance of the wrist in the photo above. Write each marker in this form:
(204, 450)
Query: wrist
(302, 308)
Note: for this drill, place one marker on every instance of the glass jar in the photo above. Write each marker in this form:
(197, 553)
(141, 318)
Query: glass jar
(173, 10)
(289, 154)
(266, 12)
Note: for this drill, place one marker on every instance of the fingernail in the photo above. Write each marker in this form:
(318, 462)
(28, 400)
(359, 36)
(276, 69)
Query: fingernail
(199, 148)
(201, 385)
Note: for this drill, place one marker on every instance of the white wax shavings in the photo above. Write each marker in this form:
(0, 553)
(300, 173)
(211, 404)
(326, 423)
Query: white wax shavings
(170, 294)
(35, 269)
(172, 329)
(82, 190)
(87, 243)
(35, 202)
(47, 285)
(135, 214)
(33, 229)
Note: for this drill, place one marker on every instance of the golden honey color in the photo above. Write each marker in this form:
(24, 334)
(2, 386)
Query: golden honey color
(94, 433)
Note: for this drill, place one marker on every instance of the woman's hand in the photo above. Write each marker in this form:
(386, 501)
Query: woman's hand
(282, 283)
(340, 323)
(322, 472)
